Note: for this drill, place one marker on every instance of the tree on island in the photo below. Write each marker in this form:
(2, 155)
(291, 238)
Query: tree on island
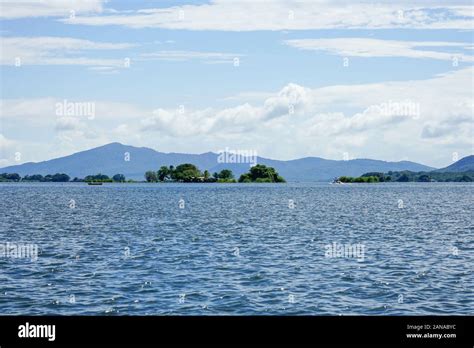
(186, 172)
(150, 176)
(164, 173)
(60, 177)
(261, 173)
(424, 178)
(226, 174)
(377, 176)
(97, 178)
(118, 178)
(10, 177)
(403, 178)
(34, 177)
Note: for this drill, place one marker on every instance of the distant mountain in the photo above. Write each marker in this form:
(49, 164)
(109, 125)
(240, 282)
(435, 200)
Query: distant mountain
(463, 165)
(110, 159)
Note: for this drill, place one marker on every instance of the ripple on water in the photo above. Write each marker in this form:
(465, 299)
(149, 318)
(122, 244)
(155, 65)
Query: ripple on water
(238, 249)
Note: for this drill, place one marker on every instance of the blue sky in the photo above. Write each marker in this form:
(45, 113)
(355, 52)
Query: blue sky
(313, 78)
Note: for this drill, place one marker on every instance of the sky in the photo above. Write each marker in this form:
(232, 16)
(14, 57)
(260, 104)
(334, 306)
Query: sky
(286, 79)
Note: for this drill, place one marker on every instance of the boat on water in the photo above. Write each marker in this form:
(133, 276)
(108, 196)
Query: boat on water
(337, 181)
(94, 183)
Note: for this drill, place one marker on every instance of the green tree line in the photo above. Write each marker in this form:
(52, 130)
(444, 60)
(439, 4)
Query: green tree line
(190, 173)
(409, 176)
(60, 177)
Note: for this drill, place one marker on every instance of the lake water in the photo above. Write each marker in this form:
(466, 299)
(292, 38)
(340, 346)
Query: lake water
(238, 249)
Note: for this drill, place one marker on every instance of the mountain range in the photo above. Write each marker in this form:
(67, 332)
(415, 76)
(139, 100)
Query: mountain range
(133, 162)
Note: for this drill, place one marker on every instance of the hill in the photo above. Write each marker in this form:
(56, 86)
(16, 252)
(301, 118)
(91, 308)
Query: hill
(110, 159)
(463, 165)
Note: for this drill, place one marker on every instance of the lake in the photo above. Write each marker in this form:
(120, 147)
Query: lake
(237, 249)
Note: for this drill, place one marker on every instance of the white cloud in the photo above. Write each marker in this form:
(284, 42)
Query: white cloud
(11, 9)
(104, 70)
(7, 149)
(248, 96)
(294, 122)
(43, 111)
(33, 128)
(6, 144)
(331, 120)
(246, 15)
(363, 47)
(57, 51)
(293, 106)
(181, 56)
(68, 123)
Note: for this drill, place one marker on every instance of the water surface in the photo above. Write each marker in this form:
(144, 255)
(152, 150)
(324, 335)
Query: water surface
(238, 249)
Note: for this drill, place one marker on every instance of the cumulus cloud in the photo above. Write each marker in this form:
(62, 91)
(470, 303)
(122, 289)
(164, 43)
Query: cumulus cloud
(67, 123)
(460, 124)
(409, 116)
(294, 122)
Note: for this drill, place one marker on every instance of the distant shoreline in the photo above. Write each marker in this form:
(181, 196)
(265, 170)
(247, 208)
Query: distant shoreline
(186, 172)
(407, 176)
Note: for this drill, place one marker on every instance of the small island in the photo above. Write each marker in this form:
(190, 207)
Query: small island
(408, 176)
(190, 173)
(261, 173)
(61, 177)
(186, 172)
